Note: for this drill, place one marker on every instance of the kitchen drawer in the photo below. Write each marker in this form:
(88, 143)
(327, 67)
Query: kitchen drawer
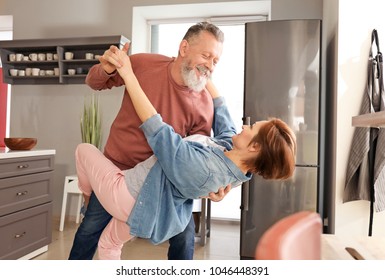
(18, 193)
(25, 165)
(25, 231)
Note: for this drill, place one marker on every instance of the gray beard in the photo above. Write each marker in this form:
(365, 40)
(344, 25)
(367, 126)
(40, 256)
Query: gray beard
(191, 80)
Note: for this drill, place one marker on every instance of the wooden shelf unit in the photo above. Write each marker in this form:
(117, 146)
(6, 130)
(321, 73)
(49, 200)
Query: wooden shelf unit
(79, 46)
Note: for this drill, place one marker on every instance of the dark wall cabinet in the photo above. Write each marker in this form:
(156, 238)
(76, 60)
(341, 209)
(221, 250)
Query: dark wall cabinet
(44, 61)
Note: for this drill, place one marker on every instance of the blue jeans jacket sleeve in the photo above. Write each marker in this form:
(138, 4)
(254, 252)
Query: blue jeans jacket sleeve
(223, 124)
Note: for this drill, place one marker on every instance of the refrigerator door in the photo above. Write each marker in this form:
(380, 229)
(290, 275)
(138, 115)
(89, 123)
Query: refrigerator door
(282, 60)
(282, 79)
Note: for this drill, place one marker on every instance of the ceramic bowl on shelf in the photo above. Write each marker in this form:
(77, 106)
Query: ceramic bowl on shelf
(71, 72)
(13, 72)
(19, 143)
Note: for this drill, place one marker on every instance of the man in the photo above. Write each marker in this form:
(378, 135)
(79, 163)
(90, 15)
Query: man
(176, 88)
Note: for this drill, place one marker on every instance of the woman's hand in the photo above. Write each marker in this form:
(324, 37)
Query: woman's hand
(141, 103)
(110, 60)
(124, 67)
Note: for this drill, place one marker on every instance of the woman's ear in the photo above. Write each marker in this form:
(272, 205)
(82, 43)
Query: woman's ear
(254, 147)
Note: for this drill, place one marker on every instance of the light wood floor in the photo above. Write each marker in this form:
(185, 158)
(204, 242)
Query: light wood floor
(223, 244)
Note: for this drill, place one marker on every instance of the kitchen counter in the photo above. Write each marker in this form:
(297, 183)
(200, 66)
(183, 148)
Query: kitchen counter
(336, 247)
(26, 188)
(6, 153)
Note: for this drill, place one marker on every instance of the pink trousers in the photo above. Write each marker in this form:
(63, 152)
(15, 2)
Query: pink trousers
(98, 174)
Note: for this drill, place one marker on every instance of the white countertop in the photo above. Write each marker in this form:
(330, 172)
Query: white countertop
(334, 247)
(7, 153)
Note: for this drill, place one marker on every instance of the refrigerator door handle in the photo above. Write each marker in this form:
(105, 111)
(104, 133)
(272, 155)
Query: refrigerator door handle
(245, 185)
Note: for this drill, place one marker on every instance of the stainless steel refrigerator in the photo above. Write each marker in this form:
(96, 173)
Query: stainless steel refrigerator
(282, 79)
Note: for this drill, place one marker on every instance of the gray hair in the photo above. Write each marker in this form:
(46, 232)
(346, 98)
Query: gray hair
(196, 29)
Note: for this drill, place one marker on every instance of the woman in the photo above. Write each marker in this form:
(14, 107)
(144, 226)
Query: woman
(179, 171)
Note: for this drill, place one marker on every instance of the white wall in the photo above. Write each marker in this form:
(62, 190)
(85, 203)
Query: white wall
(356, 21)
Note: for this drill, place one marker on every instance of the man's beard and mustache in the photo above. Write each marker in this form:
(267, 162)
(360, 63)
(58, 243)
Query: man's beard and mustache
(191, 80)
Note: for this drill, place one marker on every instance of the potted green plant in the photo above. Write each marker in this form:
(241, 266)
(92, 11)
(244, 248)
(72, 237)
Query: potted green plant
(90, 123)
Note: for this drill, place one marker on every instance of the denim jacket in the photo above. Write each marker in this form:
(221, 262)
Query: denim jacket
(184, 171)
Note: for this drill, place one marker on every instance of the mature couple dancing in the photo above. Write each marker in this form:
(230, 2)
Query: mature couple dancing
(150, 172)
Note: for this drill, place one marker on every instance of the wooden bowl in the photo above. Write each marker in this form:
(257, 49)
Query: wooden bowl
(17, 143)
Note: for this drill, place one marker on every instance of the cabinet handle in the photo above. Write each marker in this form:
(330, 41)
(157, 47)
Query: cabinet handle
(20, 235)
(23, 166)
(21, 193)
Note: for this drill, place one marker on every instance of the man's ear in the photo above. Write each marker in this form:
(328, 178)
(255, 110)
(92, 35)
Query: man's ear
(183, 47)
